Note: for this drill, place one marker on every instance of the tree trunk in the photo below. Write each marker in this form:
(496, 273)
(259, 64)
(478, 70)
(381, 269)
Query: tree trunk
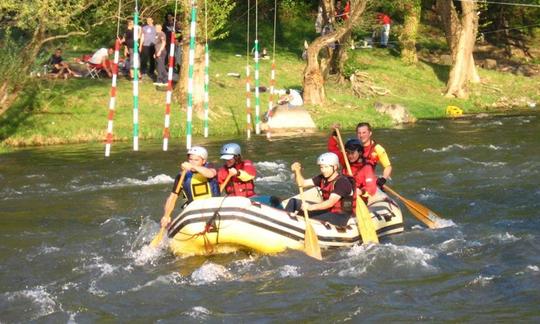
(410, 29)
(313, 82)
(461, 37)
(198, 78)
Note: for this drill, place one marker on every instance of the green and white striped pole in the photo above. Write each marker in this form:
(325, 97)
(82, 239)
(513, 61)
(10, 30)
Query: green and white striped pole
(257, 96)
(190, 73)
(135, 59)
(206, 67)
(248, 81)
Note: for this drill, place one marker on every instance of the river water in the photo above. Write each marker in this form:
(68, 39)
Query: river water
(74, 229)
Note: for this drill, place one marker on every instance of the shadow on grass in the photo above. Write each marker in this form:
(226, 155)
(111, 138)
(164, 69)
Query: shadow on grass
(33, 97)
(441, 71)
(19, 112)
(236, 125)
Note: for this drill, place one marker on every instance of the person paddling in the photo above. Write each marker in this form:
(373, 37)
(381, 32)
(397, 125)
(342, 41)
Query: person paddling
(336, 207)
(240, 172)
(374, 153)
(200, 181)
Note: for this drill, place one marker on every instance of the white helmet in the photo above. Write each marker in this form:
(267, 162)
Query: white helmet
(328, 158)
(198, 150)
(229, 150)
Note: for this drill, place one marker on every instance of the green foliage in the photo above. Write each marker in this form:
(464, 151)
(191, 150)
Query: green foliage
(10, 56)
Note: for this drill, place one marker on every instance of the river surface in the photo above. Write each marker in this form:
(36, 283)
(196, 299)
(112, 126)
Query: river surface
(74, 229)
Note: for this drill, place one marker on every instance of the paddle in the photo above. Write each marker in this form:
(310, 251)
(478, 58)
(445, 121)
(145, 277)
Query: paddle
(421, 212)
(159, 237)
(224, 184)
(311, 242)
(366, 229)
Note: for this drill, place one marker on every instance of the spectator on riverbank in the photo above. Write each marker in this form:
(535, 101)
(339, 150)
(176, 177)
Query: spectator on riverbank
(59, 68)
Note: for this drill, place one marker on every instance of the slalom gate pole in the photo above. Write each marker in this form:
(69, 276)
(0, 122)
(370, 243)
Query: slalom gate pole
(257, 97)
(112, 101)
(135, 59)
(206, 68)
(190, 73)
(248, 81)
(166, 128)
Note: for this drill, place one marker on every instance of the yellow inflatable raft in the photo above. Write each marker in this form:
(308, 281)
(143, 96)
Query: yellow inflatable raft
(227, 224)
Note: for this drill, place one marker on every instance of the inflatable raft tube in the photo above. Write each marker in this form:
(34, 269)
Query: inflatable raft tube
(228, 224)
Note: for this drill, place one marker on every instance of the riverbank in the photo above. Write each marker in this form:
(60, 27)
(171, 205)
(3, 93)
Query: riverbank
(75, 111)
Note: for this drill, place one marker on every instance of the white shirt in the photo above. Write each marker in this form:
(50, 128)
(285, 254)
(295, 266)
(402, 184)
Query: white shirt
(99, 56)
(296, 99)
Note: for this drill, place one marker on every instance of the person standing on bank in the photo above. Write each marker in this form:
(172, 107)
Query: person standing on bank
(336, 207)
(241, 172)
(200, 182)
(147, 53)
(161, 56)
(374, 153)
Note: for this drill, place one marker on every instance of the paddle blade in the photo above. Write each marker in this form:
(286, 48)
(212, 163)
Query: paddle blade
(159, 237)
(421, 212)
(366, 228)
(311, 242)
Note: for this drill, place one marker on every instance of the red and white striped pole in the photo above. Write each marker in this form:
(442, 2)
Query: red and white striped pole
(166, 132)
(271, 98)
(112, 101)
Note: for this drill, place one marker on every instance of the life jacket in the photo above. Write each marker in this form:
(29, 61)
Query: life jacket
(370, 155)
(196, 186)
(237, 187)
(344, 205)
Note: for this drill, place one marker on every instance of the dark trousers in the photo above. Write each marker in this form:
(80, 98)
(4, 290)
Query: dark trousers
(161, 67)
(295, 205)
(147, 60)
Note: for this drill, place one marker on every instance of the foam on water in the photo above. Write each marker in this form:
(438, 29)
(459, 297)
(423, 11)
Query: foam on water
(289, 271)
(533, 268)
(453, 147)
(444, 222)
(43, 303)
(173, 278)
(103, 268)
(486, 164)
(126, 182)
(198, 312)
(481, 281)
(504, 238)
(400, 257)
(269, 166)
(147, 254)
(210, 273)
(281, 177)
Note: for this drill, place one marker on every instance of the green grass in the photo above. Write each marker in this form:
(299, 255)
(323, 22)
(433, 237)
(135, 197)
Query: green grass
(71, 111)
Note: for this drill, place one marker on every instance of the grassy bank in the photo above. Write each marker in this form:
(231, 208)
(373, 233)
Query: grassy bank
(71, 111)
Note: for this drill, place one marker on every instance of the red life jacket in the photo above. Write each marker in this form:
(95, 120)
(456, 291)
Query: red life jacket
(237, 187)
(370, 156)
(326, 189)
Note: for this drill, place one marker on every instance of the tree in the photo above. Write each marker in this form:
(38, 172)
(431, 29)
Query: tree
(460, 31)
(411, 12)
(313, 82)
(218, 14)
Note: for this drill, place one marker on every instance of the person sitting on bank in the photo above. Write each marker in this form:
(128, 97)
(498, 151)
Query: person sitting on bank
(292, 98)
(336, 207)
(241, 172)
(101, 58)
(200, 181)
(59, 68)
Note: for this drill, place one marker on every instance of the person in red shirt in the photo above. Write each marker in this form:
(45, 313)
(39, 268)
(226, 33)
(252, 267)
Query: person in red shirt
(242, 172)
(363, 174)
(374, 153)
(385, 21)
